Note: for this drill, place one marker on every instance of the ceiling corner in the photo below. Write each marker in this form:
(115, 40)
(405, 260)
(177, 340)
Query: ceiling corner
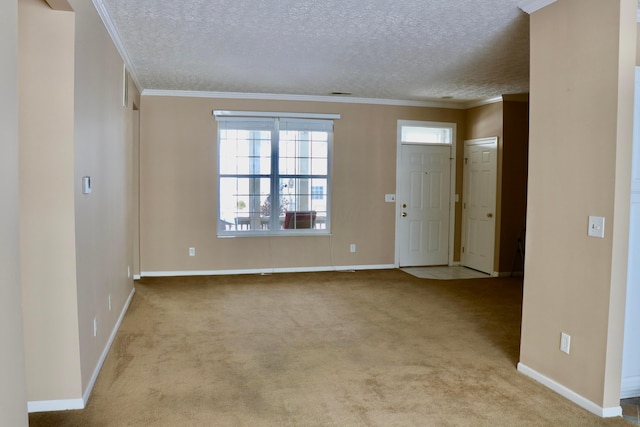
(117, 41)
(531, 6)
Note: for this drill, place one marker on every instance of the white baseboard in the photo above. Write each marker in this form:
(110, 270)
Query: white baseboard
(55, 405)
(265, 270)
(107, 347)
(563, 391)
(630, 387)
(69, 404)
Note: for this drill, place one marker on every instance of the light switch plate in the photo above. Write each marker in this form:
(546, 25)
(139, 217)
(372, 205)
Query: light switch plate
(86, 185)
(389, 198)
(596, 226)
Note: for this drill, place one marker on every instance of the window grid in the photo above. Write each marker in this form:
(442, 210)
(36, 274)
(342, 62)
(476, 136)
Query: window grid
(256, 167)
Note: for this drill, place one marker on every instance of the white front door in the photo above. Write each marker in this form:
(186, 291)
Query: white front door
(423, 197)
(479, 204)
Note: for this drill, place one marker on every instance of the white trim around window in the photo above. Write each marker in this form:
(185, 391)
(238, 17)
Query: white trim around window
(273, 173)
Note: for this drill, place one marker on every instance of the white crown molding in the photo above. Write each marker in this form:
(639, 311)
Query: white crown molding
(483, 102)
(307, 98)
(531, 6)
(117, 41)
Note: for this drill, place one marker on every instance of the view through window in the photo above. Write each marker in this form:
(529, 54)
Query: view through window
(273, 175)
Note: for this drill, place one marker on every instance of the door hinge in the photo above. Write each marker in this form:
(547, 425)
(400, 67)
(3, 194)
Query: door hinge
(463, 249)
(464, 206)
(466, 160)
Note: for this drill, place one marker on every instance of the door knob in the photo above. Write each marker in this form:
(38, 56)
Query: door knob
(404, 214)
(489, 215)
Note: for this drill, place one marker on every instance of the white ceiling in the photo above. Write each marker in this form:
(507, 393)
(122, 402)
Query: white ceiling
(415, 50)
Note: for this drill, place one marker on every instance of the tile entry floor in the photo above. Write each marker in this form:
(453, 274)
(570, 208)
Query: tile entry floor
(444, 272)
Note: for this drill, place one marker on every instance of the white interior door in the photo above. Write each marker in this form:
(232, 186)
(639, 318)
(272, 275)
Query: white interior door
(479, 204)
(423, 198)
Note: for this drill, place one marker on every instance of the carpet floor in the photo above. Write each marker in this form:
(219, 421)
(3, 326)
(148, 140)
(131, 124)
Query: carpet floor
(368, 348)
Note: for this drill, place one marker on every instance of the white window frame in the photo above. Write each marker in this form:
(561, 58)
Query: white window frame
(402, 124)
(275, 176)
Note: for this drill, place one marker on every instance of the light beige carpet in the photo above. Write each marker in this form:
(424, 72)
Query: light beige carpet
(374, 348)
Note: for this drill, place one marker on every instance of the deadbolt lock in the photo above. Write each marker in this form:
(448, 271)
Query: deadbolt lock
(404, 205)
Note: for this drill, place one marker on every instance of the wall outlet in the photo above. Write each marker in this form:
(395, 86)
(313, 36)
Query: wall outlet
(95, 327)
(352, 247)
(565, 343)
(192, 251)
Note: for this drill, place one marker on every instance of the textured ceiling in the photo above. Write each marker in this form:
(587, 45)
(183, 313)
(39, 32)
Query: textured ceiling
(419, 50)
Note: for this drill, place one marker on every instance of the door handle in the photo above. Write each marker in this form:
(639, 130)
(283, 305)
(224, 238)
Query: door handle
(404, 214)
(489, 215)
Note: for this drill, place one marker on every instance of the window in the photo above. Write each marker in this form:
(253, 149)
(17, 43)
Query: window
(414, 133)
(273, 175)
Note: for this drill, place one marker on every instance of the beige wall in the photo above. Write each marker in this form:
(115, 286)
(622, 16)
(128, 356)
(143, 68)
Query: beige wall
(178, 187)
(484, 121)
(13, 397)
(580, 144)
(47, 220)
(103, 150)
(75, 248)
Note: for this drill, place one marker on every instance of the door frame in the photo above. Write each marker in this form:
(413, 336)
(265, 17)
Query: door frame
(452, 181)
(493, 140)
